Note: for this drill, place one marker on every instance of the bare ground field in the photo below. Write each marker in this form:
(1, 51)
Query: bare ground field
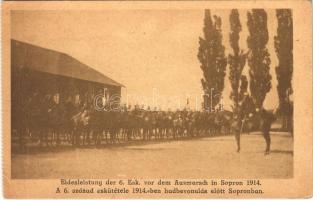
(214, 157)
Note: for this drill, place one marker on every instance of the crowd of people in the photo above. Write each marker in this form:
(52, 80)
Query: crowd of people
(80, 124)
(52, 123)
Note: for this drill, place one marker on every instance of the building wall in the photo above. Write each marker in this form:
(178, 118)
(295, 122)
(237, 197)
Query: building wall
(25, 83)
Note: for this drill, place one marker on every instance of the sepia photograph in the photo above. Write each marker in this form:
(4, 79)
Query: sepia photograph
(110, 89)
(198, 97)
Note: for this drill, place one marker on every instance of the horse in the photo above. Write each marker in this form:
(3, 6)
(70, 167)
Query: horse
(178, 126)
(81, 124)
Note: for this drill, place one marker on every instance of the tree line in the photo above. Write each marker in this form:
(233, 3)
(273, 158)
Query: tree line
(211, 55)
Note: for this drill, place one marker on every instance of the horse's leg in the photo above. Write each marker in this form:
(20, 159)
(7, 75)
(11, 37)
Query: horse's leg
(116, 134)
(40, 133)
(148, 133)
(160, 132)
(152, 133)
(84, 136)
(20, 138)
(181, 132)
(52, 137)
(70, 134)
(64, 134)
(113, 135)
(45, 133)
(128, 134)
(123, 138)
(175, 132)
(109, 132)
(45, 136)
(156, 133)
(101, 132)
(58, 137)
(95, 136)
(124, 135)
(55, 138)
(106, 135)
(120, 136)
(92, 135)
(133, 133)
(77, 136)
(48, 134)
(87, 133)
(168, 132)
(164, 133)
(109, 135)
(73, 137)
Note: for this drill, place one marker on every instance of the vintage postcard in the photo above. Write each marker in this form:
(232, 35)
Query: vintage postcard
(157, 99)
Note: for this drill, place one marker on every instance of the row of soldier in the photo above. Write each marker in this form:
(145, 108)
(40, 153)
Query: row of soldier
(54, 123)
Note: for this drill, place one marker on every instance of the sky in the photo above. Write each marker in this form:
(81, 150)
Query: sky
(152, 52)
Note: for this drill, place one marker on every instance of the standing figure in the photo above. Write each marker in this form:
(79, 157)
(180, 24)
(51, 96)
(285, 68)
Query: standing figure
(236, 129)
(267, 118)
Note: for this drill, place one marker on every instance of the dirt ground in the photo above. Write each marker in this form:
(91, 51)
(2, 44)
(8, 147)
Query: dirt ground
(197, 158)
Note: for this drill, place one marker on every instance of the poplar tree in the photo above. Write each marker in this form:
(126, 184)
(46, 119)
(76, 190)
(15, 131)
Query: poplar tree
(258, 57)
(213, 61)
(284, 47)
(283, 43)
(237, 59)
(243, 87)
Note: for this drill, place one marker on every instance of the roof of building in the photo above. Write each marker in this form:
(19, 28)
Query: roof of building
(54, 62)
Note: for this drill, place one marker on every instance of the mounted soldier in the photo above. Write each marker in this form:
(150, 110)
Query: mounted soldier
(54, 117)
(33, 114)
(45, 106)
(70, 111)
